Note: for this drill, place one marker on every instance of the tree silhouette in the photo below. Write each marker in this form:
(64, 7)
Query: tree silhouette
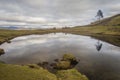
(99, 15)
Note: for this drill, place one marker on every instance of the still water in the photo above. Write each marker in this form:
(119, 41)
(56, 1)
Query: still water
(97, 65)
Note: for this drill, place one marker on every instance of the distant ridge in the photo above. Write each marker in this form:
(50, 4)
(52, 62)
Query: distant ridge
(10, 27)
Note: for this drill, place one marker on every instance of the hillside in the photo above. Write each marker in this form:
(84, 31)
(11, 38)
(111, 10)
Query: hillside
(107, 26)
(110, 21)
(107, 30)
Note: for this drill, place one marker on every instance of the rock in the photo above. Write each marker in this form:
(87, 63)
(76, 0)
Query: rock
(68, 57)
(34, 66)
(68, 61)
(56, 60)
(8, 41)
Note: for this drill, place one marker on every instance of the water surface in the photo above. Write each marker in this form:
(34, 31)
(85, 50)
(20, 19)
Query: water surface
(97, 65)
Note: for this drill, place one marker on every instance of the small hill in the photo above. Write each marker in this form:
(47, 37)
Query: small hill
(111, 21)
(9, 28)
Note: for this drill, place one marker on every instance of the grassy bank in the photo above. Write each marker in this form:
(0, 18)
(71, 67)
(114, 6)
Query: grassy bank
(103, 30)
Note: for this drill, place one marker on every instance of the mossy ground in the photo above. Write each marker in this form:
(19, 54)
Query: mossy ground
(36, 72)
(68, 61)
(71, 74)
(68, 57)
(63, 65)
(17, 72)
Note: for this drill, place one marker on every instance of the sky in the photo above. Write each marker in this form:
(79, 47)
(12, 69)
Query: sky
(54, 13)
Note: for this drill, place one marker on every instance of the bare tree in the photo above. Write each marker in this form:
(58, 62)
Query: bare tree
(99, 15)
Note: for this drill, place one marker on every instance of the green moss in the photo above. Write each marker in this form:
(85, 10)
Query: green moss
(68, 57)
(17, 72)
(70, 74)
(63, 65)
(68, 61)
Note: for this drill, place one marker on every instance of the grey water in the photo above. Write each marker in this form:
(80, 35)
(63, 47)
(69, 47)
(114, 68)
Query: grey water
(96, 65)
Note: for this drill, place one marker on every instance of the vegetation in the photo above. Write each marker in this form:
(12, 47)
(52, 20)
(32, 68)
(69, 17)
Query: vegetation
(67, 62)
(17, 72)
(71, 74)
(107, 29)
(68, 57)
(111, 21)
(99, 14)
(35, 72)
(62, 65)
(98, 30)
(2, 51)
(6, 35)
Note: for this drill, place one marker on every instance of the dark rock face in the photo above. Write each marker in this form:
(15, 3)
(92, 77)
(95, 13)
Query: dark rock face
(74, 62)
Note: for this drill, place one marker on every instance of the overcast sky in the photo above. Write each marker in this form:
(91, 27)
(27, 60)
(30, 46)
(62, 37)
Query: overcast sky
(38, 13)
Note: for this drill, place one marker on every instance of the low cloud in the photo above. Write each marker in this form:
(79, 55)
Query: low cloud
(54, 12)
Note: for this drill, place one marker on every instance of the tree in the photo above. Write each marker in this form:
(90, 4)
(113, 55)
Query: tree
(99, 15)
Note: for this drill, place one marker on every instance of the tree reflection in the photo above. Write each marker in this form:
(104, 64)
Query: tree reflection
(98, 46)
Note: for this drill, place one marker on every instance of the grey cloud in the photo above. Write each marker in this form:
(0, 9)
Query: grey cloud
(56, 12)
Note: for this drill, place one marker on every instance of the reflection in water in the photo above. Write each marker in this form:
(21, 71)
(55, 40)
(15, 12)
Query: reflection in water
(98, 46)
(48, 47)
